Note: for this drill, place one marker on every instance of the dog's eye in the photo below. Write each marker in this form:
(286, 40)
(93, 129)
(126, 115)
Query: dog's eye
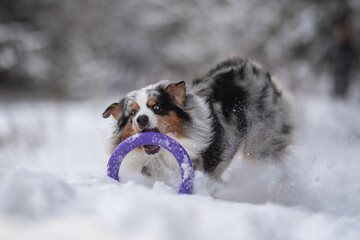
(133, 112)
(156, 107)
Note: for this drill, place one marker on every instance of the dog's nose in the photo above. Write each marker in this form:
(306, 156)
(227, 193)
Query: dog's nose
(142, 121)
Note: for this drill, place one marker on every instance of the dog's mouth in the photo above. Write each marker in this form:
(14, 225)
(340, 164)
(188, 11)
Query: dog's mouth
(151, 149)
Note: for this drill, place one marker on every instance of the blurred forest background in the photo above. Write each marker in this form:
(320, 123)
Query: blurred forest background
(74, 49)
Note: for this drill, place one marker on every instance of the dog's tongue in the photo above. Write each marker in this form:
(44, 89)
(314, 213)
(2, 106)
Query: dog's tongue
(151, 149)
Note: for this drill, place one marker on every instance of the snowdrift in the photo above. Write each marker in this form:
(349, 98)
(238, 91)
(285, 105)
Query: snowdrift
(53, 182)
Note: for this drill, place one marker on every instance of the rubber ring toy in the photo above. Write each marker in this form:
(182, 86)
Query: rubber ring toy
(158, 139)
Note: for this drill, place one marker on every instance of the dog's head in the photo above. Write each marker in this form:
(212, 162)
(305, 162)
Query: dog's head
(156, 108)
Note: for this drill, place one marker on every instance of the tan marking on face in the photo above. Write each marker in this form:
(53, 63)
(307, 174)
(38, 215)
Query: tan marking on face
(128, 131)
(134, 106)
(151, 102)
(170, 124)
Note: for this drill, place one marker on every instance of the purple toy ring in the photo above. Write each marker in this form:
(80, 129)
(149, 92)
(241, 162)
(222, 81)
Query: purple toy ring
(158, 139)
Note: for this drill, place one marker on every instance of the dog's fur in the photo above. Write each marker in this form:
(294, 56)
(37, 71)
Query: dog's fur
(236, 106)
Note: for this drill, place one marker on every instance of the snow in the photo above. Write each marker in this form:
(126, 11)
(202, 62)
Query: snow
(53, 182)
(187, 170)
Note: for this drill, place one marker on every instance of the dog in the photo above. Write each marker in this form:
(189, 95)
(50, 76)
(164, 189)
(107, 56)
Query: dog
(236, 106)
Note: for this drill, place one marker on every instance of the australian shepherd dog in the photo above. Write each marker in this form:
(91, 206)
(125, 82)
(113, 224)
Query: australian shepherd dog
(235, 107)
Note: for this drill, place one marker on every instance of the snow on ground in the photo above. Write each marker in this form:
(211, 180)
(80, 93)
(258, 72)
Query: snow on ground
(53, 182)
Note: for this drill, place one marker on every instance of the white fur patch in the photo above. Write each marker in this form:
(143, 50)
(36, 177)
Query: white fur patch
(141, 100)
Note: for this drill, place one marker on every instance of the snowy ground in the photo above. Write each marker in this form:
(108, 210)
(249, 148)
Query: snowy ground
(53, 182)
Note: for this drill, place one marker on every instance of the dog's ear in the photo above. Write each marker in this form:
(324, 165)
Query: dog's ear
(177, 92)
(115, 110)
